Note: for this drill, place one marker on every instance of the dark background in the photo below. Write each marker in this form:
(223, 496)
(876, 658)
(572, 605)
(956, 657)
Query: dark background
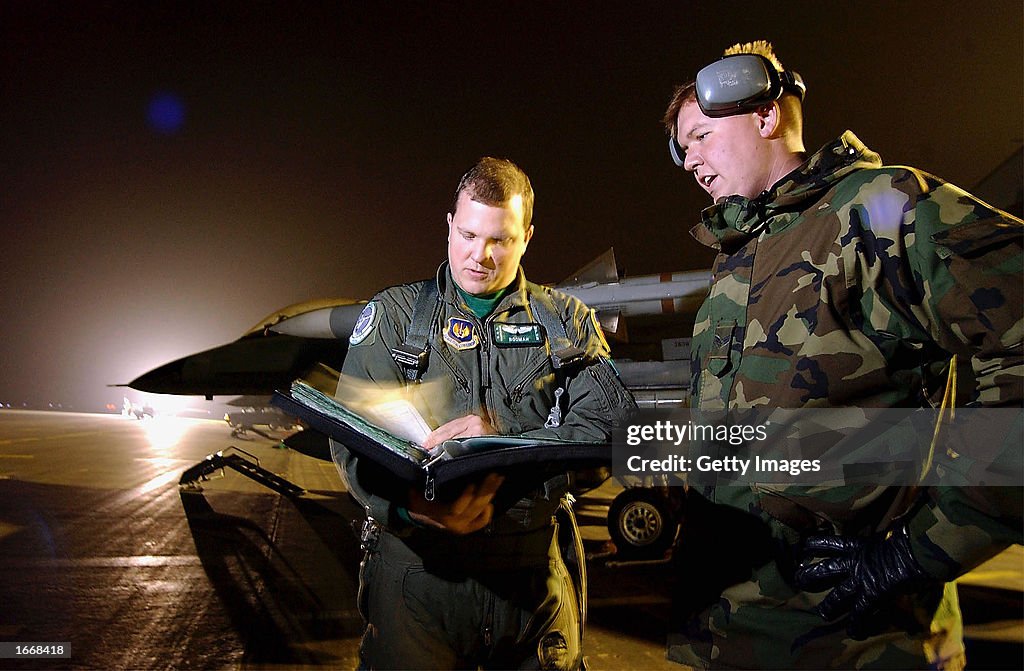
(311, 149)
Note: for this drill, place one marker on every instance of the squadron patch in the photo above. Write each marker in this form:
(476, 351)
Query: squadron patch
(364, 324)
(518, 335)
(461, 334)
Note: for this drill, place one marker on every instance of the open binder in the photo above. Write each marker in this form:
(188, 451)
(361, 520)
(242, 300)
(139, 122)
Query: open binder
(450, 461)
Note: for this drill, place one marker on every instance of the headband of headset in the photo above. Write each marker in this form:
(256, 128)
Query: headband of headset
(737, 84)
(742, 83)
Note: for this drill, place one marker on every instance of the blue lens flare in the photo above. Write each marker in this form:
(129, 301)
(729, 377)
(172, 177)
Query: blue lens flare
(166, 113)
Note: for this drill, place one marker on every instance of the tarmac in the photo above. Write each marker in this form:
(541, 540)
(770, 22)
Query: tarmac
(102, 552)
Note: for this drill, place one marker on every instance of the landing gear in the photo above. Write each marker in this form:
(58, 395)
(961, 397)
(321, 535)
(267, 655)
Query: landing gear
(642, 523)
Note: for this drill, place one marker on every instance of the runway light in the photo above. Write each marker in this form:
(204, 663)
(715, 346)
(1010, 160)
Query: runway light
(164, 432)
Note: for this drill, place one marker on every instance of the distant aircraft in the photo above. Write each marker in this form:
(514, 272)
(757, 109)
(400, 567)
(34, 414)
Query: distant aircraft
(129, 409)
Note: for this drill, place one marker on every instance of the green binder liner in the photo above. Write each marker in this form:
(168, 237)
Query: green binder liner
(452, 460)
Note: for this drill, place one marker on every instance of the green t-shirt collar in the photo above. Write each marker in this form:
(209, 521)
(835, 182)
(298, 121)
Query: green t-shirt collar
(481, 306)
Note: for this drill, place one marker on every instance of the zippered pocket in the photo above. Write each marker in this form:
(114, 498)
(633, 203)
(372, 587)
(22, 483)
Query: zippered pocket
(453, 370)
(517, 393)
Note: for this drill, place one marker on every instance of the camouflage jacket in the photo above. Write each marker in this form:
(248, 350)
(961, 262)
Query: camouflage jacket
(846, 285)
(476, 367)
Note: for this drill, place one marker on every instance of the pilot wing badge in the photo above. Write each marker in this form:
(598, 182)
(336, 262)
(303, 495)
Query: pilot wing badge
(365, 324)
(461, 334)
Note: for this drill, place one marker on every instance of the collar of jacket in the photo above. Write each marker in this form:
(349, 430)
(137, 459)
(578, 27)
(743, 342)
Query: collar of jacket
(732, 221)
(446, 288)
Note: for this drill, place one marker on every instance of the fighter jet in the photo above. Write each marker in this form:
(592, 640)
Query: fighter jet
(652, 355)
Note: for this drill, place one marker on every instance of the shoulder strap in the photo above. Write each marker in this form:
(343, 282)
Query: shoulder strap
(412, 353)
(563, 353)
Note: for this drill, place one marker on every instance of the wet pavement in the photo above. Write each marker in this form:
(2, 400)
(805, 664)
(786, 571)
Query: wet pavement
(101, 550)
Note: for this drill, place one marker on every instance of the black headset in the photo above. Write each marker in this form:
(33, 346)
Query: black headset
(737, 84)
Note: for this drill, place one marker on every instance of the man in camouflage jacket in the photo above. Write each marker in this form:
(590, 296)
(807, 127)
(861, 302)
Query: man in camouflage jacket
(838, 283)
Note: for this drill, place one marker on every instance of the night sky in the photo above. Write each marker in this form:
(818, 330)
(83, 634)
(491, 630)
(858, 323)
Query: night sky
(170, 174)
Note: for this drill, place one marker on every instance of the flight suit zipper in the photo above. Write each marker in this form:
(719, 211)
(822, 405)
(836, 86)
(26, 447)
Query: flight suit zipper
(488, 632)
(459, 378)
(485, 357)
(485, 369)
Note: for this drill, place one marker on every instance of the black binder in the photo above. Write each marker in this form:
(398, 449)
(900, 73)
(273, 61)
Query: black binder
(452, 460)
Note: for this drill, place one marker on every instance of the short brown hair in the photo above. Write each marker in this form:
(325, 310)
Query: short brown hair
(684, 93)
(495, 181)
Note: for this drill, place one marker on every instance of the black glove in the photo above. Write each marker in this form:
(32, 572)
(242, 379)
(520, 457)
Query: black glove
(865, 575)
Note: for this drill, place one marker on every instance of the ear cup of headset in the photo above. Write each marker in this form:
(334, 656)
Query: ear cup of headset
(676, 152)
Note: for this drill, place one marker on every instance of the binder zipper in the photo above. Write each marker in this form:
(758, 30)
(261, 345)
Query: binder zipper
(428, 486)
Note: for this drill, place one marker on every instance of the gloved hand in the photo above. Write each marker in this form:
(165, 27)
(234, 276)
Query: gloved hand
(865, 575)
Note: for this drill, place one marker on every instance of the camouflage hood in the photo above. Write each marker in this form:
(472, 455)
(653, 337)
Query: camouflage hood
(729, 223)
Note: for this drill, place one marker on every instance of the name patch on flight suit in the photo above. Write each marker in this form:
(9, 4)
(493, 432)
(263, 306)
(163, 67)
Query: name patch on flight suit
(518, 335)
(461, 334)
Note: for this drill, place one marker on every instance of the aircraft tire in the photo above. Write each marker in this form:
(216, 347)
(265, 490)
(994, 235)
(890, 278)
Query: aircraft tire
(641, 523)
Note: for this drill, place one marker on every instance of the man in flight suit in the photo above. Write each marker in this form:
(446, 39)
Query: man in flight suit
(477, 580)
